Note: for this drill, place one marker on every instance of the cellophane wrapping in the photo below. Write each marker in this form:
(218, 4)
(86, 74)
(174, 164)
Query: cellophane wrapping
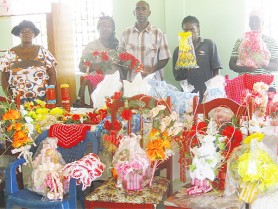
(252, 171)
(252, 51)
(131, 163)
(47, 177)
(186, 56)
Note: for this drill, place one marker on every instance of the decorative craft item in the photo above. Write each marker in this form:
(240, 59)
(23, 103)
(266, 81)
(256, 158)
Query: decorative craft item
(252, 51)
(186, 57)
(131, 163)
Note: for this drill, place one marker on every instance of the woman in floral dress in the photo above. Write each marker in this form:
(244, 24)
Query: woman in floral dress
(27, 69)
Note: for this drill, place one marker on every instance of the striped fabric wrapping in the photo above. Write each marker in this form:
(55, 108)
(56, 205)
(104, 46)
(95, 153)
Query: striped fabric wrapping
(249, 193)
(133, 181)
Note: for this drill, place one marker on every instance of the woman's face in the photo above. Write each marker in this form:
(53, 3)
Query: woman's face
(106, 29)
(26, 35)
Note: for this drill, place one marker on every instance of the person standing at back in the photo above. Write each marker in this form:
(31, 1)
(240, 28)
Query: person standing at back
(107, 41)
(207, 57)
(147, 43)
(256, 24)
(27, 69)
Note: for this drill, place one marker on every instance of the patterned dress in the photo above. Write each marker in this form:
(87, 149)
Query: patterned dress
(28, 77)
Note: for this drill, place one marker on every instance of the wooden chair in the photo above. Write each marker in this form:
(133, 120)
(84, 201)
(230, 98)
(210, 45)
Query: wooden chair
(238, 110)
(148, 196)
(180, 200)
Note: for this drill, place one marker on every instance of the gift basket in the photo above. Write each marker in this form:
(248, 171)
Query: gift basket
(131, 163)
(252, 51)
(186, 56)
(47, 177)
(252, 169)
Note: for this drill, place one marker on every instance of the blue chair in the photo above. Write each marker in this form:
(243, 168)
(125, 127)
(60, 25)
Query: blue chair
(27, 199)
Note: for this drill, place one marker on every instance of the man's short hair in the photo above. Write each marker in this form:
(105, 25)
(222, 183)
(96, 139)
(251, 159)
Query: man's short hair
(191, 19)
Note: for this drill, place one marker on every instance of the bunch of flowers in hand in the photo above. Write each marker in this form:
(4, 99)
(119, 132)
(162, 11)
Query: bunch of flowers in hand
(102, 60)
(17, 128)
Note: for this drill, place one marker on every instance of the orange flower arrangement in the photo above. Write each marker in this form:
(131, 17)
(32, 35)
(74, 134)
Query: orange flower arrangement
(14, 126)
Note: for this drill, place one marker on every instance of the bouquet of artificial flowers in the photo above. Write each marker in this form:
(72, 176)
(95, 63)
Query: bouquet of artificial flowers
(254, 168)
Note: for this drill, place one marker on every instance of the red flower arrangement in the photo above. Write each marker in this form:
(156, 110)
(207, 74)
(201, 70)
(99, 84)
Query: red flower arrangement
(234, 138)
(103, 60)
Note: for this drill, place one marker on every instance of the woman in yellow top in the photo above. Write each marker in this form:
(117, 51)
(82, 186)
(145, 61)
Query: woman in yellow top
(27, 69)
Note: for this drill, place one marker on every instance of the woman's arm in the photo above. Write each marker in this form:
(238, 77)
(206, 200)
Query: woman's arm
(5, 83)
(52, 76)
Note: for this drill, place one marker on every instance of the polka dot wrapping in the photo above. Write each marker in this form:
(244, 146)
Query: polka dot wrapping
(250, 80)
(234, 88)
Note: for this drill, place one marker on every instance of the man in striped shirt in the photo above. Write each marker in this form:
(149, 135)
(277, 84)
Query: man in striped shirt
(256, 23)
(147, 43)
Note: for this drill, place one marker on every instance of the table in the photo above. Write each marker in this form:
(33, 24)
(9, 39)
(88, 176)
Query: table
(109, 196)
(210, 200)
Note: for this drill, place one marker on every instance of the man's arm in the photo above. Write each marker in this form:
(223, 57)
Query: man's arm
(160, 64)
(239, 69)
(215, 72)
(273, 65)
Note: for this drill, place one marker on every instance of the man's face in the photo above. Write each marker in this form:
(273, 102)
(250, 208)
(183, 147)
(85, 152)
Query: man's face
(191, 27)
(142, 12)
(105, 29)
(255, 23)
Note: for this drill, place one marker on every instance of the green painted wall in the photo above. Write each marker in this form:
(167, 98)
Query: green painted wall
(220, 20)
(6, 37)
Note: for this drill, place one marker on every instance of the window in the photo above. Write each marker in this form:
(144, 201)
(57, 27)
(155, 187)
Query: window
(269, 10)
(85, 17)
(40, 21)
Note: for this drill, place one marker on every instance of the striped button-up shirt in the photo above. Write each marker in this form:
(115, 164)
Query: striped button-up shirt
(148, 46)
